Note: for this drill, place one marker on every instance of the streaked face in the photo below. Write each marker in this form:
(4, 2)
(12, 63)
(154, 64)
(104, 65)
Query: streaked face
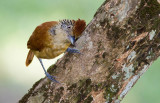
(67, 28)
(67, 25)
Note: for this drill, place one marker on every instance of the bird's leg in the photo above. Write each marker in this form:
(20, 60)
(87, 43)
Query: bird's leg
(47, 74)
(71, 50)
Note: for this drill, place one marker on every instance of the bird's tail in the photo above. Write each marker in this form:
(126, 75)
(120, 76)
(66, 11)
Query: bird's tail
(29, 57)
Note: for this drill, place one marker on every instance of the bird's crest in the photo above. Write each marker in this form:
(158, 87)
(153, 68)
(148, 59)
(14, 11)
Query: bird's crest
(67, 22)
(78, 26)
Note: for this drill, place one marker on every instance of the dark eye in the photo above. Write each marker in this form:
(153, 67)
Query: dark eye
(69, 27)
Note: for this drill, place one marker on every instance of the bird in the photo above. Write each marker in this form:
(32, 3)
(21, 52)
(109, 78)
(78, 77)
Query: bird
(50, 39)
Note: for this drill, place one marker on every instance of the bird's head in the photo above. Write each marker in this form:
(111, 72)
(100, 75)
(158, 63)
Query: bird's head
(67, 26)
(73, 28)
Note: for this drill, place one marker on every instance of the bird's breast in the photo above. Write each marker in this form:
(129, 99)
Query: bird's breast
(52, 52)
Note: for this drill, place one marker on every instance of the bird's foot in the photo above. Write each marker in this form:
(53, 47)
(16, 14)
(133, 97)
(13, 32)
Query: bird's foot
(52, 78)
(71, 50)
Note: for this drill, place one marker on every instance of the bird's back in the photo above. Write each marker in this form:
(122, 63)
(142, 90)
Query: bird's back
(40, 38)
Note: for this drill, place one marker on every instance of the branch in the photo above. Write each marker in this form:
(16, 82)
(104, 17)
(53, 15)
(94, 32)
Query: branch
(118, 46)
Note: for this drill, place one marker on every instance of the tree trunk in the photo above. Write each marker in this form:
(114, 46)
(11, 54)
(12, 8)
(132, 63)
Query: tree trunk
(117, 47)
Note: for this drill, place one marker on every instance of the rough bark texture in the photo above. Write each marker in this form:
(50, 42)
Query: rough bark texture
(118, 46)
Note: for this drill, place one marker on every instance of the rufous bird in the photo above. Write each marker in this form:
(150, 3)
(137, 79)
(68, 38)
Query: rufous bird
(53, 38)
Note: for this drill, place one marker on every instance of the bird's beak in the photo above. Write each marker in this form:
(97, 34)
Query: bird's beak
(72, 39)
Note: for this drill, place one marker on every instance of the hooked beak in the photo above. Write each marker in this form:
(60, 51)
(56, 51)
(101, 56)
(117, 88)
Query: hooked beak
(72, 39)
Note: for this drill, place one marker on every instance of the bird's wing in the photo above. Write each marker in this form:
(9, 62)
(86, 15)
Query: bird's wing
(40, 38)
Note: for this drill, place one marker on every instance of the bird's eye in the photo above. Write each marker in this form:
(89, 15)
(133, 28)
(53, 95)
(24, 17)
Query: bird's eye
(69, 27)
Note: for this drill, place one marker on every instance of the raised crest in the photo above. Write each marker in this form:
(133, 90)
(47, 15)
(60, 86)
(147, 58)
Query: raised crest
(67, 22)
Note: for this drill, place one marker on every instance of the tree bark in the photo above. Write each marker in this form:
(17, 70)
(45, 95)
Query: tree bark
(117, 47)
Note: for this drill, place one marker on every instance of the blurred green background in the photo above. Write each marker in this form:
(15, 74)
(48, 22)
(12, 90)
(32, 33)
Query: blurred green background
(18, 19)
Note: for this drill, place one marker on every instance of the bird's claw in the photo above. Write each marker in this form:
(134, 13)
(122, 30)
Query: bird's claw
(52, 78)
(71, 50)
